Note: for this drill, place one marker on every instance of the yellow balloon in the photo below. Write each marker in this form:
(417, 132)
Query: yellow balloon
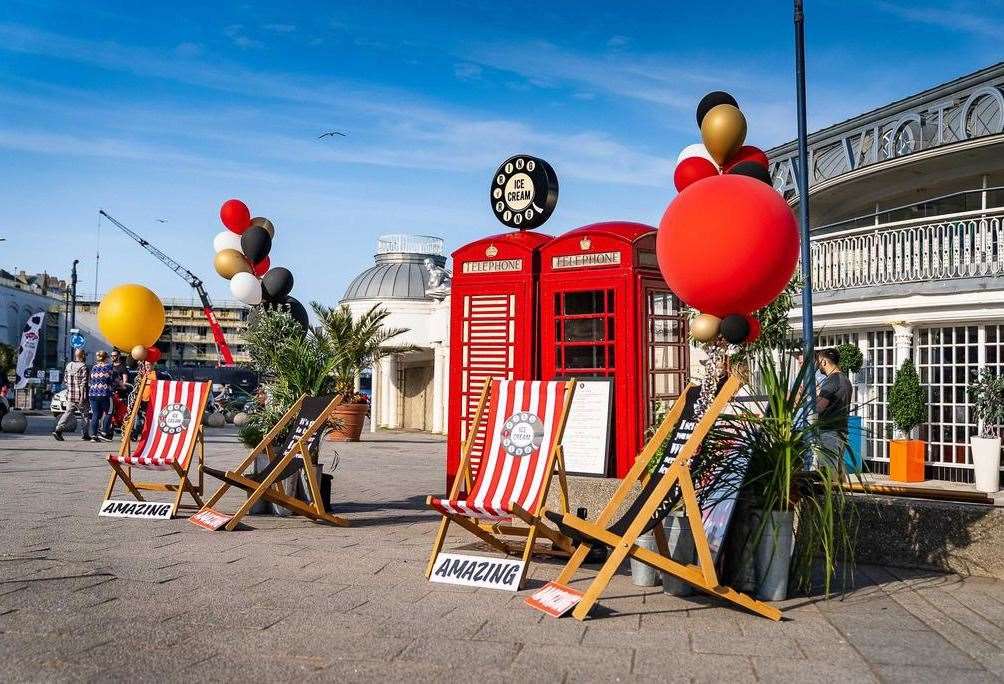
(131, 315)
(723, 131)
(704, 328)
(230, 262)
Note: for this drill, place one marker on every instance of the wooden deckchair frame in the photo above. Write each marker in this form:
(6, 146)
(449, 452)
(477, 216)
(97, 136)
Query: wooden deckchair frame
(271, 490)
(702, 575)
(492, 533)
(184, 484)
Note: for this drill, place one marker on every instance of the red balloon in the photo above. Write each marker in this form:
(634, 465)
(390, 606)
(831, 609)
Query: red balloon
(262, 267)
(152, 354)
(747, 153)
(755, 329)
(727, 245)
(691, 170)
(235, 216)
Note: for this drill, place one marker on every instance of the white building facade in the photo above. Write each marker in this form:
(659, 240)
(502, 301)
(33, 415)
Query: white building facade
(907, 220)
(408, 279)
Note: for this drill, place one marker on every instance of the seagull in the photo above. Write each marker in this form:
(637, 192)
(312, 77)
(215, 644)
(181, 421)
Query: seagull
(161, 220)
(331, 133)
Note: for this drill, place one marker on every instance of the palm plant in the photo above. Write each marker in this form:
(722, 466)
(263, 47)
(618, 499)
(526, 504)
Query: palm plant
(789, 467)
(354, 343)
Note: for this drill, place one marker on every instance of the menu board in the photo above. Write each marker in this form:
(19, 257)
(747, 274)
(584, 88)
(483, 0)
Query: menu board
(586, 443)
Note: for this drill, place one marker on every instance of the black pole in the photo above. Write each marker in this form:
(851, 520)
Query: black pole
(73, 295)
(803, 207)
(66, 327)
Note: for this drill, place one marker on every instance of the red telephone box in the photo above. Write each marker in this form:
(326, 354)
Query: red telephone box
(493, 326)
(607, 312)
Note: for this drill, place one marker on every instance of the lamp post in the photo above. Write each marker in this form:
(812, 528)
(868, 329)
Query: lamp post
(803, 207)
(73, 294)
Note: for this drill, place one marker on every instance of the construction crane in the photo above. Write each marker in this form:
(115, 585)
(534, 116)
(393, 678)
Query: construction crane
(226, 358)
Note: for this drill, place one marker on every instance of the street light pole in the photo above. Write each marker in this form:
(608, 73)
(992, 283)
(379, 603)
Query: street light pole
(803, 207)
(73, 295)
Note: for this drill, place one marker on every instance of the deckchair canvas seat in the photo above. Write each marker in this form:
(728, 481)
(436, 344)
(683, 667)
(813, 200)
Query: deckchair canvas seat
(171, 431)
(522, 423)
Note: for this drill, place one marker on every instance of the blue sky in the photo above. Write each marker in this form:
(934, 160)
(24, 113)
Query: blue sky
(165, 111)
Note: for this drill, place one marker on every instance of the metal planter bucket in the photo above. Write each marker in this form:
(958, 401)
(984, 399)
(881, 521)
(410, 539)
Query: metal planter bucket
(641, 574)
(681, 549)
(773, 556)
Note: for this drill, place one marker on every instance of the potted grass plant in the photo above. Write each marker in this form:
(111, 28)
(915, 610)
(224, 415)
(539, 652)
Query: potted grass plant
(908, 409)
(986, 394)
(789, 471)
(354, 343)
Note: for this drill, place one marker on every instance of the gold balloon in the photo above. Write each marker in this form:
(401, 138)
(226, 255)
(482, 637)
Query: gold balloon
(704, 328)
(131, 315)
(723, 131)
(230, 262)
(138, 352)
(264, 223)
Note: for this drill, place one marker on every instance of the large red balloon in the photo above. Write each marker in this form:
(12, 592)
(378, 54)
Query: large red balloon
(691, 170)
(235, 216)
(747, 153)
(261, 268)
(727, 245)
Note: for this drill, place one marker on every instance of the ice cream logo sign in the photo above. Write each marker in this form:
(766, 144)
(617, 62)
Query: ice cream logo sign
(522, 434)
(174, 418)
(524, 192)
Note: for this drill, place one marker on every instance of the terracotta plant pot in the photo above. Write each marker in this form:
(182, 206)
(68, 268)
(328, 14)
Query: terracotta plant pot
(349, 418)
(906, 460)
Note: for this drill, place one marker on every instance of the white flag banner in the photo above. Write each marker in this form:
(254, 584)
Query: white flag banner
(26, 350)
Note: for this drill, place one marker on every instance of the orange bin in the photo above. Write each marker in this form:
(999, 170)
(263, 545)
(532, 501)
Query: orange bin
(906, 460)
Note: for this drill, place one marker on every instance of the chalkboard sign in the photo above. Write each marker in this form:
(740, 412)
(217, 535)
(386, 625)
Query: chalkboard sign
(586, 442)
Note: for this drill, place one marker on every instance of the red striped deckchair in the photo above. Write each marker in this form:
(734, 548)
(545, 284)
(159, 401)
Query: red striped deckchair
(171, 430)
(523, 422)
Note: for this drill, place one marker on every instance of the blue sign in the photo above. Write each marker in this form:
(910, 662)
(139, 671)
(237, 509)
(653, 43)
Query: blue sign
(77, 341)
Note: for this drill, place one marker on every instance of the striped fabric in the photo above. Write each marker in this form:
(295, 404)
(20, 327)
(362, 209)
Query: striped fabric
(521, 425)
(173, 418)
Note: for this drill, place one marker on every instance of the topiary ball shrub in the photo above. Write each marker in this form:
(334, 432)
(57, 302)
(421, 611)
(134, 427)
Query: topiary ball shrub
(851, 358)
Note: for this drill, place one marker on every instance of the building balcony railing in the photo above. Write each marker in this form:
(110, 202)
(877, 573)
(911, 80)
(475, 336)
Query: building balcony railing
(962, 245)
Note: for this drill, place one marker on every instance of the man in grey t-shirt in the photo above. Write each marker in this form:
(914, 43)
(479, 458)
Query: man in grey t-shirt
(833, 405)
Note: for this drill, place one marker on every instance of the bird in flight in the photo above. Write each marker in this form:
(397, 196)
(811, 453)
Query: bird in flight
(331, 133)
(161, 220)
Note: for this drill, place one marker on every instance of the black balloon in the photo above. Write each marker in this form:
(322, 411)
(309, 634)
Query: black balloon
(277, 284)
(713, 99)
(735, 328)
(256, 243)
(297, 311)
(753, 170)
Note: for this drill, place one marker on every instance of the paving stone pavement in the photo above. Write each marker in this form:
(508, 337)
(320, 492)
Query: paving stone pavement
(99, 599)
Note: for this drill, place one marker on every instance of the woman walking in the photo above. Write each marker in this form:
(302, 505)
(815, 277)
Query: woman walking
(103, 384)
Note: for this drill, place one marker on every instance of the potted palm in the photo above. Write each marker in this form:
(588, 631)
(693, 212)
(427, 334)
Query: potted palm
(986, 393)
(353, 343)
(789, 470)
(908, 409)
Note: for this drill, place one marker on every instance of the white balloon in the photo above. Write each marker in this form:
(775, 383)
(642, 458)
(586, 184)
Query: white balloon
(246, 287)
(695, 150)
(227, 240)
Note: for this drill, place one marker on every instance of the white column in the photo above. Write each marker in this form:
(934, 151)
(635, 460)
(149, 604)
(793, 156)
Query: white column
(903, 350)
(438, 369)
(388, 383)
(444, 390)
(376, 397)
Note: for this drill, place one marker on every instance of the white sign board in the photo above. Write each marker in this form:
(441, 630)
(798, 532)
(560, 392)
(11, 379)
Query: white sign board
(587, 430)
(145, 510)
(477, 571)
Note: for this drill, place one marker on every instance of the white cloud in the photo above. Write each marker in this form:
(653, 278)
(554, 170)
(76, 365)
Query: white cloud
(953, 19)
(466, 71)
(280, 28)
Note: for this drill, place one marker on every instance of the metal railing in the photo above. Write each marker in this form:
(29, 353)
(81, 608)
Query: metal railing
(410, 244)
(964, 245)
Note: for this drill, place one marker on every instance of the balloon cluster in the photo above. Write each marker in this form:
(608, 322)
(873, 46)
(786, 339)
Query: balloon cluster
(723, 132)
(132, 318)
(242, 257)
(728, 243)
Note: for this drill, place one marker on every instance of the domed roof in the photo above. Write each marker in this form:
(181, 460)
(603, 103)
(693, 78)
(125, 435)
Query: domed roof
(400, 271)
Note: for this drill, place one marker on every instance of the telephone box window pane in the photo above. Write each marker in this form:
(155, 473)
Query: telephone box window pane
(584, 330)
(578, 303)
(584, 357)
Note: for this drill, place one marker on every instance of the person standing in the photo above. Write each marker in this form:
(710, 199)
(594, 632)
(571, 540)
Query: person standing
(76, 377)
(833, 405)
(103, 384)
